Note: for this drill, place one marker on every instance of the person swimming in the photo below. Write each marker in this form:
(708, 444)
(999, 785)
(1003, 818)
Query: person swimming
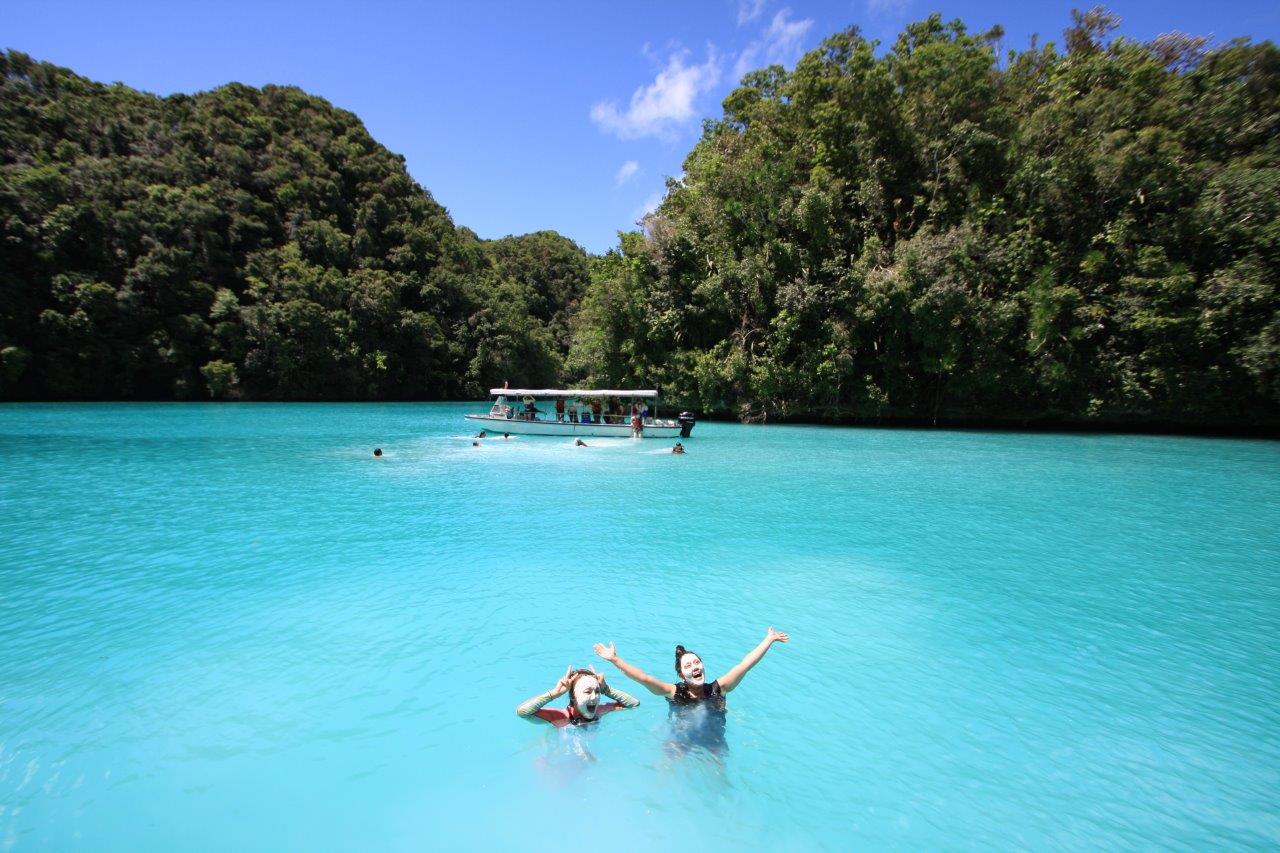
(678, 449)
(585, 687)
(377, 451)
(695, 707)
(482, 434)
(580, 443)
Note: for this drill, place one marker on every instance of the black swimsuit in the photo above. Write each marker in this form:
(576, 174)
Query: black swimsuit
(697, 720)
(711, 693)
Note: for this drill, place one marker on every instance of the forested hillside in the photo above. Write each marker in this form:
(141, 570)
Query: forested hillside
(1084, 231)
(1087, 233)
(247, 243)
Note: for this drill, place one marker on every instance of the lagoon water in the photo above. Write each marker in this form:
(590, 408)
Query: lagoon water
(229, 627)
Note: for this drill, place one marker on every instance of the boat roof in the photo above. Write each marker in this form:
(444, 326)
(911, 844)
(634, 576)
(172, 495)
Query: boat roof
(571, 392)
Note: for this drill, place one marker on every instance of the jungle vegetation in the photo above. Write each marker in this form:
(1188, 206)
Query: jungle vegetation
(937, 230)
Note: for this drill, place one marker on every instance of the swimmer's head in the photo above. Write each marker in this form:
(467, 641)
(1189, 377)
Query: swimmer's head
(377, 451)
(475, 444)
(584, 693)
(689, 666)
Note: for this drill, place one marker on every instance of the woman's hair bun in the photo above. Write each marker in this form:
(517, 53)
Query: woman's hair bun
(681, 651)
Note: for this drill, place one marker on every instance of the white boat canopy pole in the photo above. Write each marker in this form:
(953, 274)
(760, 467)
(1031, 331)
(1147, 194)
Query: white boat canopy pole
(567, 392)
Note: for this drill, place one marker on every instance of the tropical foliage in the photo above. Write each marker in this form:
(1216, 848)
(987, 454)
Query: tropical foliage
(247, 243)
(937, 231)
(940, 230)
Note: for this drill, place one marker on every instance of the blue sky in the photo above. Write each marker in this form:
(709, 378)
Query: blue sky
(520, 117)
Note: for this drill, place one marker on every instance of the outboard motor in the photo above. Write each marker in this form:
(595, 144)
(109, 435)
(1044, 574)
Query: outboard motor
(687, 421)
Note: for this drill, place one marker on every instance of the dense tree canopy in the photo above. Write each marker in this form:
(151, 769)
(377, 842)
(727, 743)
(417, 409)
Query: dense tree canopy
(247, 243)
(939, 230)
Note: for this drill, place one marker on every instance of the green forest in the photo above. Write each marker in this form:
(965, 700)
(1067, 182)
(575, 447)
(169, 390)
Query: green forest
(938, 230)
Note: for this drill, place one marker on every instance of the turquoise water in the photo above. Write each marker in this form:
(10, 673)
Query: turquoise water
(230, 627)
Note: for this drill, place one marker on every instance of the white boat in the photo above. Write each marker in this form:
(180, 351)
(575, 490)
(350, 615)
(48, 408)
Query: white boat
(579, 412)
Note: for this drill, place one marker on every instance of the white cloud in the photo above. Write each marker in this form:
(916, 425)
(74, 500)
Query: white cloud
(627, 172)
(887, 7)
(749, 10)
(650, 205)
(665, 104)
(781, 44)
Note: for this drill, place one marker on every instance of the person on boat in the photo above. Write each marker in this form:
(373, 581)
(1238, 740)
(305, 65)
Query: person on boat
(695, 707)
(585, 688)
(573, 413)
(595, 411)
(559, 408)
(679, 448)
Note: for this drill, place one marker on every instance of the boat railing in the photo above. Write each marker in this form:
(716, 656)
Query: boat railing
(605, 420)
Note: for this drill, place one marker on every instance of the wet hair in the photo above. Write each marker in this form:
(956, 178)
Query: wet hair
(681, 651)
(377, 451)
(573, 682)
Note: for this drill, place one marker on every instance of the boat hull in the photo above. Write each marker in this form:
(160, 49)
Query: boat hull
(515, 426)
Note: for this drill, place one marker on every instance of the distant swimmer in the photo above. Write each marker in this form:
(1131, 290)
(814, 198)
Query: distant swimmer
(580, 443)
(585, 687)
(377, 451)
(475, 444)
(695, 707)
(506, 435)
(679, 448)
(482, 434)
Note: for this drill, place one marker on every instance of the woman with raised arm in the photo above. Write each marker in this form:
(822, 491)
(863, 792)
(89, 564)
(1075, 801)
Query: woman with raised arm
(585, 687)
(697, 706)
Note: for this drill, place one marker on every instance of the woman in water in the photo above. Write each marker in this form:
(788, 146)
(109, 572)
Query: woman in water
(697, 706)
(585, 687)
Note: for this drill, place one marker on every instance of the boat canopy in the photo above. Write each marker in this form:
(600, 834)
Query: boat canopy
(568, 392)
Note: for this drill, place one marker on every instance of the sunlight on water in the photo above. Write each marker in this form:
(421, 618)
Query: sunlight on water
(232, 627)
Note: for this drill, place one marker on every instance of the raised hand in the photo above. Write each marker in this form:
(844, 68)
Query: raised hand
(608, 652)
(604, 688)
(562, 686)
(776, 636)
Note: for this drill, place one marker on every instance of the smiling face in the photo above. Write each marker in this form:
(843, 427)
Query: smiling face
(586, 695)
(691, 668)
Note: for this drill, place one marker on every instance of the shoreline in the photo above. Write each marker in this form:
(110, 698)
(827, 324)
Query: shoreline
(1046, 425)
